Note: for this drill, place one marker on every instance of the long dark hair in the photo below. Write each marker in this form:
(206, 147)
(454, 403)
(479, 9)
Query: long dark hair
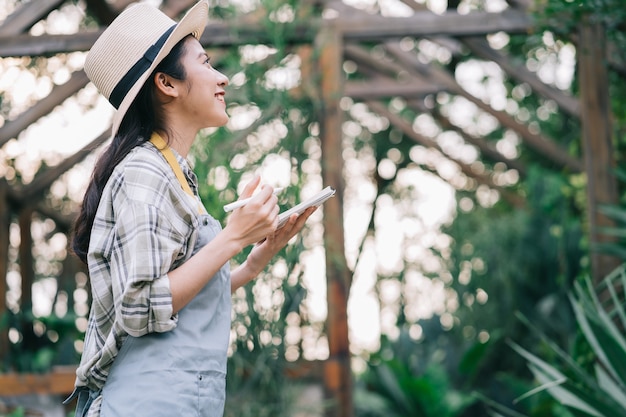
(142, 118)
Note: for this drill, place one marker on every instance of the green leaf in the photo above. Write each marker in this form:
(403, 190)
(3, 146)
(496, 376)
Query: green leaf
(499, 407)
(548, 369)
(562, 388)
(614, 249)
(579, 372)
(605, 340)
(391, 382)
(614, 212)
(610, 387)
(567, 394)
(613, 231)
(614, 284)
(473, 357)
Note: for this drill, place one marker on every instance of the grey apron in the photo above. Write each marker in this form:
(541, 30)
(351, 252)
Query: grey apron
(181, 372)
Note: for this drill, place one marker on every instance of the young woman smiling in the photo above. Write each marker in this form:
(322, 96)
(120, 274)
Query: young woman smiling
(159, 324)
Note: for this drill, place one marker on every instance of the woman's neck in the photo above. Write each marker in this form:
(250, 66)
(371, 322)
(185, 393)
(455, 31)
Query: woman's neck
(181, 143)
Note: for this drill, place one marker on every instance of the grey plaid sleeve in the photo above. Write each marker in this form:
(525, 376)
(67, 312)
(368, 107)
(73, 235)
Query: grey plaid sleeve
(146, 246)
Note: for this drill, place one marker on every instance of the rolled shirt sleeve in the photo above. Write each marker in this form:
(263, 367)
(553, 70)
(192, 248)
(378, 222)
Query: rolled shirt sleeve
(146, 246)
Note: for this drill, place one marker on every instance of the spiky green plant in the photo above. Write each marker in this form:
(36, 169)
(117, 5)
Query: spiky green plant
(598, 390)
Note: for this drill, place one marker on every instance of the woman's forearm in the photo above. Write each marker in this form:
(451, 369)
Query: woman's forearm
(247, 271)
(188, 279)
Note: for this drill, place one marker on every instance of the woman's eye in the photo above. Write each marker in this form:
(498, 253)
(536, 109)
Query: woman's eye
(207, 61)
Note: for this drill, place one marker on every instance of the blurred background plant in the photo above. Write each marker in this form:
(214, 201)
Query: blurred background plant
(587, 377)
(405, 379)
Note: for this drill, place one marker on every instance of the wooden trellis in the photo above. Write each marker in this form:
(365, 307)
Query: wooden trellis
(338, 39)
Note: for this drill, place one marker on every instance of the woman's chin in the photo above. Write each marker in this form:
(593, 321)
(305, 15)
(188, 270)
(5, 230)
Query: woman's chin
(218, 121)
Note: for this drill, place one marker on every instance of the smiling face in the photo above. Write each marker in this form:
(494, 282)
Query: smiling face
(200, 100)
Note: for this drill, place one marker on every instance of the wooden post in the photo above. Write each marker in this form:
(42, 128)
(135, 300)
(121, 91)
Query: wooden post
(337, 369)
(5, 222)
(597, 140)
(26, 259)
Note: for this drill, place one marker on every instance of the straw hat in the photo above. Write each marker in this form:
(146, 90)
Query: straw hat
(124, 56)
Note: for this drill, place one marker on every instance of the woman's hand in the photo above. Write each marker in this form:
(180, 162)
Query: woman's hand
(277, 240)
(246, 225)
(266, 249)
(257, 219)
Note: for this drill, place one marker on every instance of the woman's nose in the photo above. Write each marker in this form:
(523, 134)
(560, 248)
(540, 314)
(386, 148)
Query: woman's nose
(222, 80)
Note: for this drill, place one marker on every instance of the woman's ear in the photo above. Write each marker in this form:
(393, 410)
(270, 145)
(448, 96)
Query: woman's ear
(164, 85)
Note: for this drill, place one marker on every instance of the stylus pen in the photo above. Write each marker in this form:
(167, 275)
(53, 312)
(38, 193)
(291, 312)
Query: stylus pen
(240, 203)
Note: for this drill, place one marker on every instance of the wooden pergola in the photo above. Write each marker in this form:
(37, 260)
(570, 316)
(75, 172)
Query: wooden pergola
(340, 38)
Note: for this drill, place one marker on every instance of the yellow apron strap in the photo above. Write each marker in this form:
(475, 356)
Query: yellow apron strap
(160, 144)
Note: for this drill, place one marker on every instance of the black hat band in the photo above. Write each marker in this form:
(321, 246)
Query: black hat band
(136, 71)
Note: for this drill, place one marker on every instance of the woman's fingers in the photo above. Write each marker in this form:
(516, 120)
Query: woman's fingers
(293, 226)
(263, 203)
(257, 221)
(250, 187)
(258, 218)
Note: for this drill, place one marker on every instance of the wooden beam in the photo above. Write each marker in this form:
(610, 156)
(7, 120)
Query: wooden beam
(520, 4)
(372, 66)
(540, 143)
(226, 34)
(26, 15)
(480, 47)
(47, 45)
(27, 271)
(308, 85)
(216, 34)
(58, 382)
(176, 7)
(384, 88)
(486, 148)
(511, 197)
(337, 368)
(59, 93)
(5, 223)
(102, 10)
(64, 221)
(425, 23)
(234, 33)
(34, 191)
(239, 137)
(387, 68)
(105, 11)
(597, 140)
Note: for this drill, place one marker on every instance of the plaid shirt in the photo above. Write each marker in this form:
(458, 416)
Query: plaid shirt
(144, 227)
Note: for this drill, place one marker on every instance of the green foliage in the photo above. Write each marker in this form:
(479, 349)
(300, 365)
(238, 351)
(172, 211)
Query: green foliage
(18, 412)
(399, 382)
(616, 233)
(257, 375)
(43, 342)
(502, 261)
(508, 253)
(564, 16)
(598, 390)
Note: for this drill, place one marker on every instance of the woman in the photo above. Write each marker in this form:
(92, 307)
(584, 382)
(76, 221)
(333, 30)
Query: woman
(159, 324)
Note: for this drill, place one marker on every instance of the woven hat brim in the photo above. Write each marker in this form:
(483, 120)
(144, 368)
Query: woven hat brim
(193, 23)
